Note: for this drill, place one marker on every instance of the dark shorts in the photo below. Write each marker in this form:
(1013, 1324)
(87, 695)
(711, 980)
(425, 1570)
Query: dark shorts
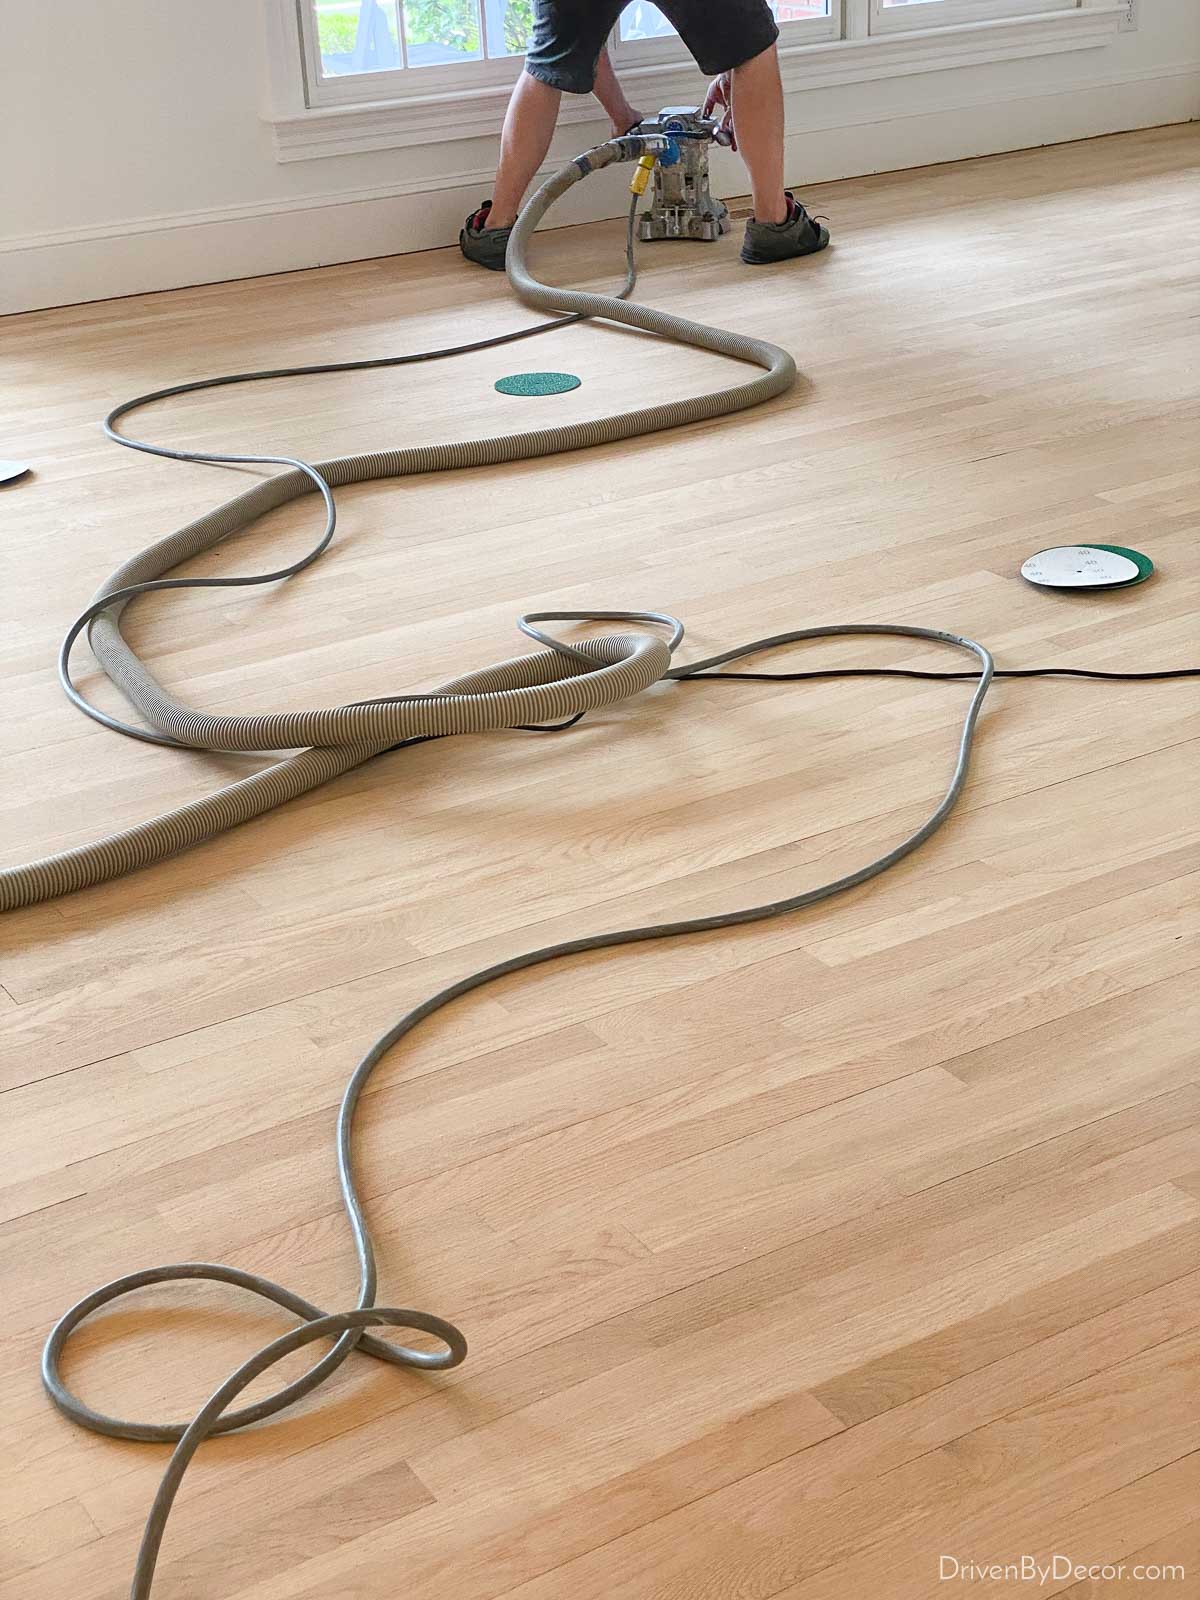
(568, 36)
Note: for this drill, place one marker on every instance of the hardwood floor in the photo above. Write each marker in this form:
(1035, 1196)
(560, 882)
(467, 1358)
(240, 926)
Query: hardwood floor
(793, 1260)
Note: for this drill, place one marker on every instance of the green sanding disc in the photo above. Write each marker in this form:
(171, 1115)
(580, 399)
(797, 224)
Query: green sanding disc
(529, 383)
(1143, 563)
(1087, 566)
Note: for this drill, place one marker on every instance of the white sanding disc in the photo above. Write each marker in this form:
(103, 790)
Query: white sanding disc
(1079, 566)
(10, 470)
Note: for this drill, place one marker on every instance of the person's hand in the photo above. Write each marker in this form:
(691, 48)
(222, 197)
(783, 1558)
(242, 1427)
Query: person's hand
(720, 95)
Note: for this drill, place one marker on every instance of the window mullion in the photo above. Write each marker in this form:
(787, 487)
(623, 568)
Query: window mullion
(856, 19)
(310, 47)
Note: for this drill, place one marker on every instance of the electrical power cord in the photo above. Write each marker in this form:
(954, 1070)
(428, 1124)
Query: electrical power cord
(348, 1328)
(935, 677)
(563, 681)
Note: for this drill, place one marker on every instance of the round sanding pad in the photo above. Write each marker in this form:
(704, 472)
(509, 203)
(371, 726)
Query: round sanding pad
(531, 383)
(1087, 566)
(10, 471)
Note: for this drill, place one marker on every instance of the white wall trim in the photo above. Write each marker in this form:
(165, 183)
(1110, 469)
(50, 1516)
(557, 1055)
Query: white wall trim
(169, 222)
(140, 254)
(301, 134)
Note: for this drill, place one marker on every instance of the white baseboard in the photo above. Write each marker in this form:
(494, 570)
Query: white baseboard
(168, 252)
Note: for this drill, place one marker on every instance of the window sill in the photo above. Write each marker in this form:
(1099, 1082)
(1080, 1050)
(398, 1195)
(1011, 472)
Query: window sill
(478, 113)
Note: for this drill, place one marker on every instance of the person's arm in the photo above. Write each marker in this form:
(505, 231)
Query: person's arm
(607, 89)
(718, 102)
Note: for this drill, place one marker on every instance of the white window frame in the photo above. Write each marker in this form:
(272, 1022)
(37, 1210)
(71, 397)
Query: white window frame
(668, 50)
(310, 116)
(929, 14)
(357, 88)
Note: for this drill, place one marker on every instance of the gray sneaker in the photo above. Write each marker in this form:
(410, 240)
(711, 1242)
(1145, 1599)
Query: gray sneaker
(800, 235)
(485, 246)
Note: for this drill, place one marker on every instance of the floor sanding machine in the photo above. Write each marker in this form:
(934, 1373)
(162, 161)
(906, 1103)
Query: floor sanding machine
(682, 205)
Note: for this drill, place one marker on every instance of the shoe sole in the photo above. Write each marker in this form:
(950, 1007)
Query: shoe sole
(753, 259)
(477, 261)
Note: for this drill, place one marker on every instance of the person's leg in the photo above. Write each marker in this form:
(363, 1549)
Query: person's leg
(528, 129)
(567, 41)
(758, 119)
(736, 41)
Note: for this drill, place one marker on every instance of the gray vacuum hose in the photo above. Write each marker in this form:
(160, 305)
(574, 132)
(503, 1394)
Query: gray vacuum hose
(562, 681)
(529, 690)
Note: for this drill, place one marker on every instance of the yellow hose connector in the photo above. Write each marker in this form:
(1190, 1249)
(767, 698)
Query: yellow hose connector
(641, 173)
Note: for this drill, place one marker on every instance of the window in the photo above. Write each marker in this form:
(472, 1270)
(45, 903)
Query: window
(386, 35)
(354, 49)
(902, 16)
(645, 21)
(358, 75)
(643, 35)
